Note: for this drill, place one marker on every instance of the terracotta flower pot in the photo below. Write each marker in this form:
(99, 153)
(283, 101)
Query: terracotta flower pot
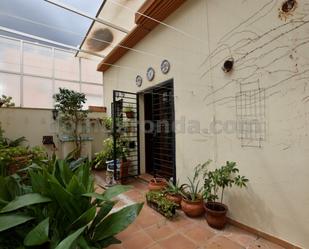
(192, 208)
(174, 198)
(130, 114)
(216, 214)
(157, 184)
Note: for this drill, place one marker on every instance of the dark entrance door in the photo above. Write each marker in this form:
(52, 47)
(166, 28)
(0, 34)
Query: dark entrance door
(125, 135)
(159, 130)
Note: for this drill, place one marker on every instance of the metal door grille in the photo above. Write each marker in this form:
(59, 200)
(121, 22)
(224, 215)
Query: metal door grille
(163, 149)
(126, 135)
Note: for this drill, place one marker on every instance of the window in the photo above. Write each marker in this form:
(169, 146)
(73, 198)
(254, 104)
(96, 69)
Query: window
(43, 70)
(10, 86)
(66, 65)
(38, 60)
(94, 94)
(37, 92)
(89, 71)
(9, 55)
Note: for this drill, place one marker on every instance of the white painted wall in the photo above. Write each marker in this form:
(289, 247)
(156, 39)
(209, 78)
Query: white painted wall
(277, 199)
(36, 123)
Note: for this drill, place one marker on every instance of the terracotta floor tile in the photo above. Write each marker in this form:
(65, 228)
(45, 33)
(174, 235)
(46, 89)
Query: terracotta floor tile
(264, 244)
(220, 242)
(117, 246)
(199, 234)
(152, 231)
(139, 240)
(180, 223)
(127, 233)
(238, 235)
(159, 231)
(156, 246)
(177, 242)
(148, 217)
(135, 195)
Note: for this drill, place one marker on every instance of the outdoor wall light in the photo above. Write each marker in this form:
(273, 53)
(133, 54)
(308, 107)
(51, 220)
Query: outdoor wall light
(228, 65)
(55, 114)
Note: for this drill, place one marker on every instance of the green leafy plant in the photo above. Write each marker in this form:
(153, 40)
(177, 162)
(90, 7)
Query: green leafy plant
(108, 123)
(107, 152)
(192, 191)
(174, 189)
(62, 210)
(6, 101)
(157, 200)
(219, 179)
(70, 106)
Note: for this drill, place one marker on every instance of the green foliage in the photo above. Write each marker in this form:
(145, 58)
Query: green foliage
(108, 123)
(193, 191)
(6, 142)
(174, 189)
(6, 101)
(62, 210)
(20, 156)
(221, 178)
(107, 152)
(157, 200)
(70, 105)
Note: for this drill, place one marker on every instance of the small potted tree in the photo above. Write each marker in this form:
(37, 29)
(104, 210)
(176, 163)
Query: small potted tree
(173, 192)
(215, 182)
(128, 110)
(70, 105)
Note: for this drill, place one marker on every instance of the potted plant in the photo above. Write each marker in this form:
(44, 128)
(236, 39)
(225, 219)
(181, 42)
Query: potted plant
(192, 194)
(128, 110)
(215, 182)
(173, 192)
(157, 184)
(158, 201)
(70, 106)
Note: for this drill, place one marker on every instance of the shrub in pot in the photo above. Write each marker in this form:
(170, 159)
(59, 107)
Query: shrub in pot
(173, 192)
(215, 182)
(157, 184)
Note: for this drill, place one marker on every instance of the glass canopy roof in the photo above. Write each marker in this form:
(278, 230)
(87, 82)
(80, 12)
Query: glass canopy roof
(118, 12)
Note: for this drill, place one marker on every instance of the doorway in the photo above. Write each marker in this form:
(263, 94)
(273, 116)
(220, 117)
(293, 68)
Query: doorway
(160, 130)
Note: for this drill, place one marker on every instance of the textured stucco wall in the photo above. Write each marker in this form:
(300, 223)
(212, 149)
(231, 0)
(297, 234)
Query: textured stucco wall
(270, 53)
(36, 123)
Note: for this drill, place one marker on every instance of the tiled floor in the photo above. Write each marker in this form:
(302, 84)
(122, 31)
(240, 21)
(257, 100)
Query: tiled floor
(151, 230)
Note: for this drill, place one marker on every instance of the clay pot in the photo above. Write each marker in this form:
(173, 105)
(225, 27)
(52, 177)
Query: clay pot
(174, 198)
(157, 184)
(192, 208)
(130, 114)
(216, 214)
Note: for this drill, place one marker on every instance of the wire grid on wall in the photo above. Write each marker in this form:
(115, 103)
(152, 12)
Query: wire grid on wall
(250, 114)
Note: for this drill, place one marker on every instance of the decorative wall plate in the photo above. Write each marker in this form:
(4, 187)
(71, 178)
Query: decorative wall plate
(150, 74)
(165, 66)
(139, 80)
